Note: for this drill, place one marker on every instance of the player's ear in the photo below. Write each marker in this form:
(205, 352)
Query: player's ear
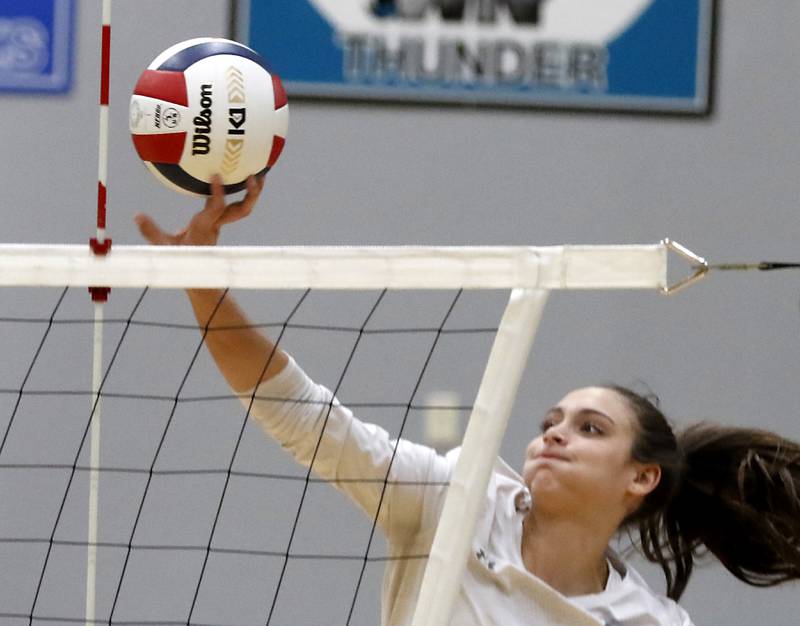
(645, 479)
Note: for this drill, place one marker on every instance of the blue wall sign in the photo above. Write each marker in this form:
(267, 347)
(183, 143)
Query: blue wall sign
(652, 55)
(36, 45)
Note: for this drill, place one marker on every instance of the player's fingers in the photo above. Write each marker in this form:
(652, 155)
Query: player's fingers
(215, 205)
(152, 232)
(259, 180)
(204, 226)
(234, 213)
(238, 210)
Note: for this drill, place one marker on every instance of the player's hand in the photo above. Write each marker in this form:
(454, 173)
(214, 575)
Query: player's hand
(204, 227)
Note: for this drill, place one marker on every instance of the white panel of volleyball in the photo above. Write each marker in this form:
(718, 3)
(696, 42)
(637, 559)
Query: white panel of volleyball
(530, 272)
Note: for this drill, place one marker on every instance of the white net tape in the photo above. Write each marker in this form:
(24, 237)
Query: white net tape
(406, 267)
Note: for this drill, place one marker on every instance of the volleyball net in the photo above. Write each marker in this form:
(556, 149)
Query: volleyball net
(137, 491)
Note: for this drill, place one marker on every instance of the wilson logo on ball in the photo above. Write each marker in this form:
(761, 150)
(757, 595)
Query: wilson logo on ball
(201, 140)
(208, 106)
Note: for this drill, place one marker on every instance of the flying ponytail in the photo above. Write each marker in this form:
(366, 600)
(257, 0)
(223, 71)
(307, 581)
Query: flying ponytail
(734, 492)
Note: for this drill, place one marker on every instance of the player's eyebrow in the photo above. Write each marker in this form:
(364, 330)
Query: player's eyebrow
(559, 412)
(597, 413)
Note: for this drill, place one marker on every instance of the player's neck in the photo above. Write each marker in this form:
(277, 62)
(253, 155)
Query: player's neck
(567, 554)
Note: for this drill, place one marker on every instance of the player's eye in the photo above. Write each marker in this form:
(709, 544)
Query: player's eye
(546, 424)
(592, 428)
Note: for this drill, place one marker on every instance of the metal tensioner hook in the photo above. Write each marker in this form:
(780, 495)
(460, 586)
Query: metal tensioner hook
(699, 265)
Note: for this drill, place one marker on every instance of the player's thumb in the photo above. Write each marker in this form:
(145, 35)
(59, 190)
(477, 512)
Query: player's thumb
(151, 231)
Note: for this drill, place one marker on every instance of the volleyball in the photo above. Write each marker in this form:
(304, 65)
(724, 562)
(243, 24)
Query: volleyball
(208, 106)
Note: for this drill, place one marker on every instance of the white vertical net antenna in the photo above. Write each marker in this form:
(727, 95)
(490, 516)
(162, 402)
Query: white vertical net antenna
(172, 533)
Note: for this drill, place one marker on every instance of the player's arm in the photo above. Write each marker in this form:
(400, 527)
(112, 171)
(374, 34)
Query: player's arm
(349, 449)
(244, 355)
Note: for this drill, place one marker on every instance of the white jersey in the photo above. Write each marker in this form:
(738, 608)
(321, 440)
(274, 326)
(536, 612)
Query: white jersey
(496, 588)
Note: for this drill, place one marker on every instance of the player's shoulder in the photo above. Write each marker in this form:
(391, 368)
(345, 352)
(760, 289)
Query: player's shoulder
(662, 610)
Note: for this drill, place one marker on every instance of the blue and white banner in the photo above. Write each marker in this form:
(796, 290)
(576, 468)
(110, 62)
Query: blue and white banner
(652, 55)
(36, 45)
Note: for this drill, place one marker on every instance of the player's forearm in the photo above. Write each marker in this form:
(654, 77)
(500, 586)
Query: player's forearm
(243, 354)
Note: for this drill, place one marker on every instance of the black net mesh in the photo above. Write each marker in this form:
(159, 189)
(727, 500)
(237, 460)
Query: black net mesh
(202, 519)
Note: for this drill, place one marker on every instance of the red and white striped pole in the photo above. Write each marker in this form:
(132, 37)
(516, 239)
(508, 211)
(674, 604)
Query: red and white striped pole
(102, 174)
(100, 245)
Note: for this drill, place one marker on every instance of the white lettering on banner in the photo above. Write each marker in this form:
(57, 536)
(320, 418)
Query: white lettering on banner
(498, 62)
(520, 43)
(23, 45)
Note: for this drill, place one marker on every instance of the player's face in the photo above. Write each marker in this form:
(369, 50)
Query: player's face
(581, 461)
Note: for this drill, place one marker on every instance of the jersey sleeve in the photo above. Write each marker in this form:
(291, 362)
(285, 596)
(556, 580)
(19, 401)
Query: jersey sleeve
(399, 481)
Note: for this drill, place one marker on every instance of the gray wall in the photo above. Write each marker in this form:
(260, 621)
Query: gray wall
(726, 350)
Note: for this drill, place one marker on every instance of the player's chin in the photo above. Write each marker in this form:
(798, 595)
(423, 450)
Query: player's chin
(541, 476)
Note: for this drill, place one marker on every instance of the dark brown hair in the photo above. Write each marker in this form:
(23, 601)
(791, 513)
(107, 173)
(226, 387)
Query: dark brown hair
(734, 492)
